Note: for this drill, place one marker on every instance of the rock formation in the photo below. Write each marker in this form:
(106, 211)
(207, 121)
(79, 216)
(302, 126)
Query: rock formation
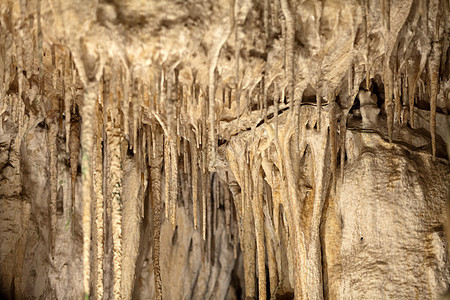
(199, 149)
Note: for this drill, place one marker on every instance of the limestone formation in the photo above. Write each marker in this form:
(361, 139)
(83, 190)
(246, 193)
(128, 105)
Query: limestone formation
(276, 149)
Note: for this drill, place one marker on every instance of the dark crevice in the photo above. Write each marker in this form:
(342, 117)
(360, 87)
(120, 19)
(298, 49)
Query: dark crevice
(145, 244)
(43, 125)
(130, 152)
(175, 236)
(235, 281)
(355, 109)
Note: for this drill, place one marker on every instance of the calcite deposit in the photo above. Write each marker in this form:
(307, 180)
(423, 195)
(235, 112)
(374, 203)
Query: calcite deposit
(229, 149)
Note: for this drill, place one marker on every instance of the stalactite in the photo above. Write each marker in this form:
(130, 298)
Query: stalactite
(212, 116)
(155, 175)
(153, 146)
(68, 103)
(209, 220)
(421, 89)
(366, 41)
(434, 74)
(166, 98)
(172, 155)
(387, 73)
(141, 162)
(248, 248)
(350, 75)
(298, 126)
(135, 117)
(413, 79)
(7, 69)
(20, 66)
(318, 103)
(74, 79)
(204, 195)
(203, 145)
(275, 196)
(385, 12)
(166, 175)
(159, 82)
(388, 84)
(146, 94)
(205, 135)
(87, 141)
(173, 181)
(178, 100)
(224, 101)
(260, 97)
(229, 96)
(265, 87)
(99, 208)
(114, 137)
(405, 97)
(277, 100)
(104, 210)
(194, 166)
(126, 101)
(411, 95)
(271, 256)
(227, 206)
(215, 200)
(234, 229)
(39, 40)
(333, 144)
(266, 14)
(291, 196)
(3, 108)
(257, 206)
(282, 19)
(290, 52)
(54, 67)
(3, 59)
(350, 83)
(74, 148)
(185, 154)
(274, 13)
(248, 100)
(62, 74)
(342, 134)
(13, 103)
(397, 98)
(53, 130)
(245, 188)
(109, 101)
(237, 55)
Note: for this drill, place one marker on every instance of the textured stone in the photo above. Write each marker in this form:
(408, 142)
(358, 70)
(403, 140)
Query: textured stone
(284, 106)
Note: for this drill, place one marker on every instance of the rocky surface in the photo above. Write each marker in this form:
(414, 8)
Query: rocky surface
(224, 149)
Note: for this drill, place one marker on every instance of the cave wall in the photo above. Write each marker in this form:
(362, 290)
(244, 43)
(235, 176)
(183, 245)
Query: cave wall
(224, 149)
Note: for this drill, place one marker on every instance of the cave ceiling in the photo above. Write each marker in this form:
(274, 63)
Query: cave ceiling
(224, 149)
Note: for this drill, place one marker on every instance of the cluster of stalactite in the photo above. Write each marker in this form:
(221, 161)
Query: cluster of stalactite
(175, 128)
(275, 198)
